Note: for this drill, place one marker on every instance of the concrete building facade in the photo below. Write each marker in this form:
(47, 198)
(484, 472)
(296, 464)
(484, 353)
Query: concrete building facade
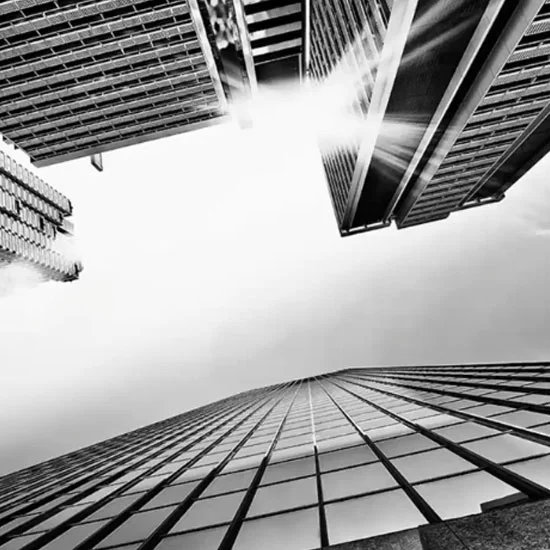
(365, 458)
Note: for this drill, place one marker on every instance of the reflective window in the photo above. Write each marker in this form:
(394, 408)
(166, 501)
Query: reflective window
(430, 464)
(505, 447)
(210, 511)
(281, 496)
(488, 410)
(389, 431)
(339, 442)
(146, 483)
(19, 542)
(172, 495)
(468, 492)
(537, 470)
(353, 481)
(346, 457)
(58, 518)
(292, 452)
(289, 470)
(466, 431)
(371, 515)
(114, 507)
(74, 536)
(205, 539)
(524, 419)
(405, 445)
(137, 527)
(297, 530)
(230, 482)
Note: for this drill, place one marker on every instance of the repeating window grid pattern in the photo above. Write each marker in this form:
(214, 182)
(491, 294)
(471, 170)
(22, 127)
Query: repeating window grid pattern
(275, 29)
(31, 214)
(85, 74)
(346, 36)
(519, 93)
(319, 461)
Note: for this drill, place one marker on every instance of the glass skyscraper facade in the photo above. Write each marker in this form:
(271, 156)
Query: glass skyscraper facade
(302, 465)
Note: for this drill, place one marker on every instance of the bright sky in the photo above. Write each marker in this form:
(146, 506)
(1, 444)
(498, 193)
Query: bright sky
(213, 265)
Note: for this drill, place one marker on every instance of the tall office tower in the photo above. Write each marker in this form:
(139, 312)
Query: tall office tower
(80, 77)
(34, 229)
(434, 458)
(454, 97)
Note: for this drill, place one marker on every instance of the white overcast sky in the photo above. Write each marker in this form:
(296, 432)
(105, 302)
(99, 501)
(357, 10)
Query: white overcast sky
(213, 265)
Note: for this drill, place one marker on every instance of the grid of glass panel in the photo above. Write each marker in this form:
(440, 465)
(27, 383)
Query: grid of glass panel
(518, 95)
(32, 216)
(346, 38)
(302, 465)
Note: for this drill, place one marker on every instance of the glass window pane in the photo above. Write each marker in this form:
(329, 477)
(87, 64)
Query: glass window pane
(524, 419)
(389, 431)
(206, 539)
(339, 442)
(406, 444)
(346, 457)
(537, 470)
(353, 481)
(487, 410)
(58, 518)
(289, 470)
(172, 495)
(114, 507)
(273, 498)
(372, 515)
(297, 530)
(468, 492)
(230, 482)
(466, 431)
(137, 527)
(431, 464)
(292, 452)
(506, 447)
(74, 536)
(146, 483)
(19, 542)
(210, 511)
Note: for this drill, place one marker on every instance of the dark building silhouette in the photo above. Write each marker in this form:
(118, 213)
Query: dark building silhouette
(371, 458)
(34, 226)
(455, 99)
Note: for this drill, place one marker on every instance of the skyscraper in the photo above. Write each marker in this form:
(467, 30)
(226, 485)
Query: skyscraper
(34, 226)
(454, 96)
(440, 457)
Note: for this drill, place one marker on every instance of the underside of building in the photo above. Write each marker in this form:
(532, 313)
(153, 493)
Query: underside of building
(455, 104)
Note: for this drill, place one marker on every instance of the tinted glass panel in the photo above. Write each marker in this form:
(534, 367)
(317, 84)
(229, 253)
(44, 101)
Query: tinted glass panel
(406, 444)
(353, 481)
(430, 464)
(281, 496)
(289, 470)
(292, 531)
(230, 482)
(346, 457)
(506, 447)
(210, 511)
(466, 431)
(468, 492)
(206, 539)
(172, 495)
(537, 470)
(137, 527)
(371, 515)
